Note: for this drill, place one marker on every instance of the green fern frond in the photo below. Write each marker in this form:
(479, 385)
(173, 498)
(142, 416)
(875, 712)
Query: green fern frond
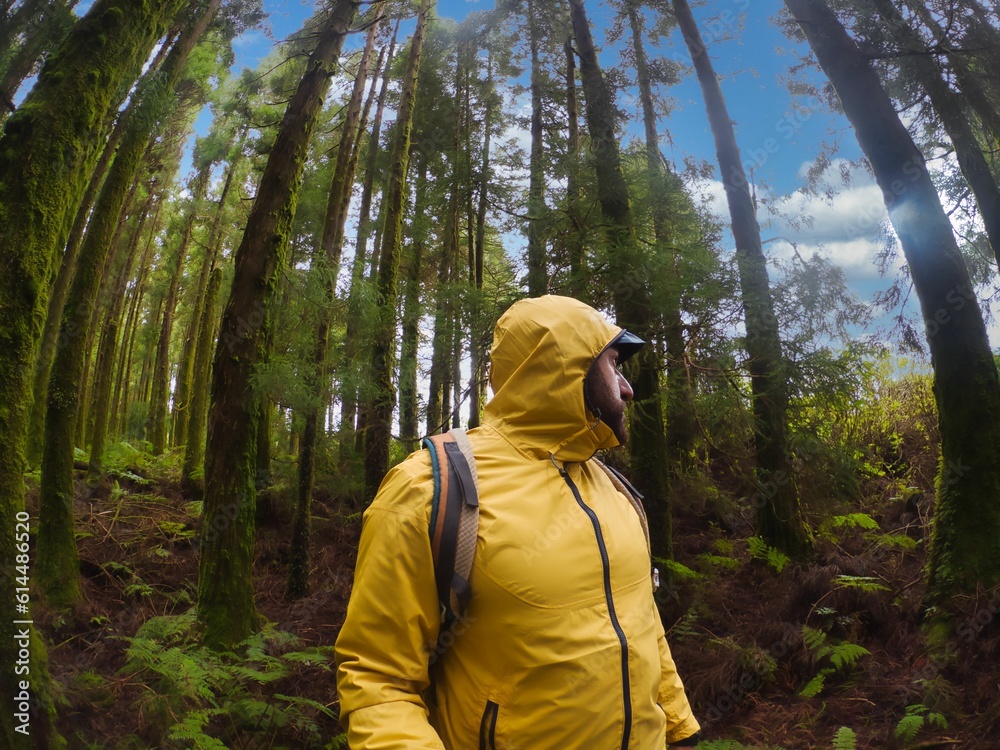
(846, 655)
(815, 685)
(854, 520)
(865, 583)
(908, 727)
(845, 739)
(300, 701)
(812, 637)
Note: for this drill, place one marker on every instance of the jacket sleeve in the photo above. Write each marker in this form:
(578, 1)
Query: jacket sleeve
(382, 652)
(681, 723)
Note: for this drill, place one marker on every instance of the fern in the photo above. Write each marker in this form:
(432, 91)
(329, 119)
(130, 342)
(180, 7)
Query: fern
(864, 583)
(841, 656)
(815, 685)
(916, 716)
(202, 688)
(717, 560)
(846, 655)
(760, 550)
(813, 638)
(854, 520)
(845, 739)
(896, 541)
(192, 727)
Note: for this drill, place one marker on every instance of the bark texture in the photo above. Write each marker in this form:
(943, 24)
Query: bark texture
(226, 605)
(47, 152)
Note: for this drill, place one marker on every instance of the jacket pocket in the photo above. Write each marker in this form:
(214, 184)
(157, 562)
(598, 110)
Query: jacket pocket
(488, 726)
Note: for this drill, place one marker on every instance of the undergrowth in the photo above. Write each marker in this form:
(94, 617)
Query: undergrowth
(198, 698)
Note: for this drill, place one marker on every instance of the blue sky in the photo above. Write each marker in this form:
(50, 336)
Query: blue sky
(778, 140)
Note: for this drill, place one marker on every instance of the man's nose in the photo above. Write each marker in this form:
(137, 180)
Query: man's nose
(624, 389)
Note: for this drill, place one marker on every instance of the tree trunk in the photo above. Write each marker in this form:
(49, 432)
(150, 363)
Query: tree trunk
(575, 244)
(119, 404)
(194, 453)
(965, 544)
(409, 428)
(632, 306)
(57, 300)
(182, 389)
(352, 360)
(47, 153)
(225, 585)
(56, 491)
(161, 367)
(331, 243)
(680, 426)
(326, 265)
(439, 400)
(47, 34)
(378, 428)
(108, 349)
(538, 276)
(476, 356)
(973, 90)
(779, 517)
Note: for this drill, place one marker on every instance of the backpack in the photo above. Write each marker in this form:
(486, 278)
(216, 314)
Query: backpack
(454, 522)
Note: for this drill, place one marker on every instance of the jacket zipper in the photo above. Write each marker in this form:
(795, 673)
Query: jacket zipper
(488, 726)
(605, 562)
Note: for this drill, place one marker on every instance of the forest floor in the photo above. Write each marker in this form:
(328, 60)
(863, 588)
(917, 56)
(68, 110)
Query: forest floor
(773, 653)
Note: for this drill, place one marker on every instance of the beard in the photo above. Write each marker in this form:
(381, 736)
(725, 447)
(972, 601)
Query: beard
(608, 406)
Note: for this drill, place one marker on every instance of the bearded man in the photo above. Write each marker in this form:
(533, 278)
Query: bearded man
(561, 646)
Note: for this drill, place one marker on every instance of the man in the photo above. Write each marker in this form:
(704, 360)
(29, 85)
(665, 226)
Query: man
(561, 647)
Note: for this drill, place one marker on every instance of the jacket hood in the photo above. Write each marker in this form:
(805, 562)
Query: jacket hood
(542, 350)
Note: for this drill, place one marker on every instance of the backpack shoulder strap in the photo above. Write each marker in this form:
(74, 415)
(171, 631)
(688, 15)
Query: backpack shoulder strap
(635, 500)
(454, 523)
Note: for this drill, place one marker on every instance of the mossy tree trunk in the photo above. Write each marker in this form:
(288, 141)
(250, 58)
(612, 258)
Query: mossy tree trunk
(108, 349)
(226, 605)
(161, 366)
(182, 389)
(779, 517)
(409, 428)
(194, 448)
(326, 265)
(575, 241)
(965, 543)
(352, 348)
(57, 299)
(632, 305)
(378, 412)
(55, 531)
(50, 27)
(47, 152)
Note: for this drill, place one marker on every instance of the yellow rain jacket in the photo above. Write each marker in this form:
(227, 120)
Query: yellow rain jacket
(561, 647)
